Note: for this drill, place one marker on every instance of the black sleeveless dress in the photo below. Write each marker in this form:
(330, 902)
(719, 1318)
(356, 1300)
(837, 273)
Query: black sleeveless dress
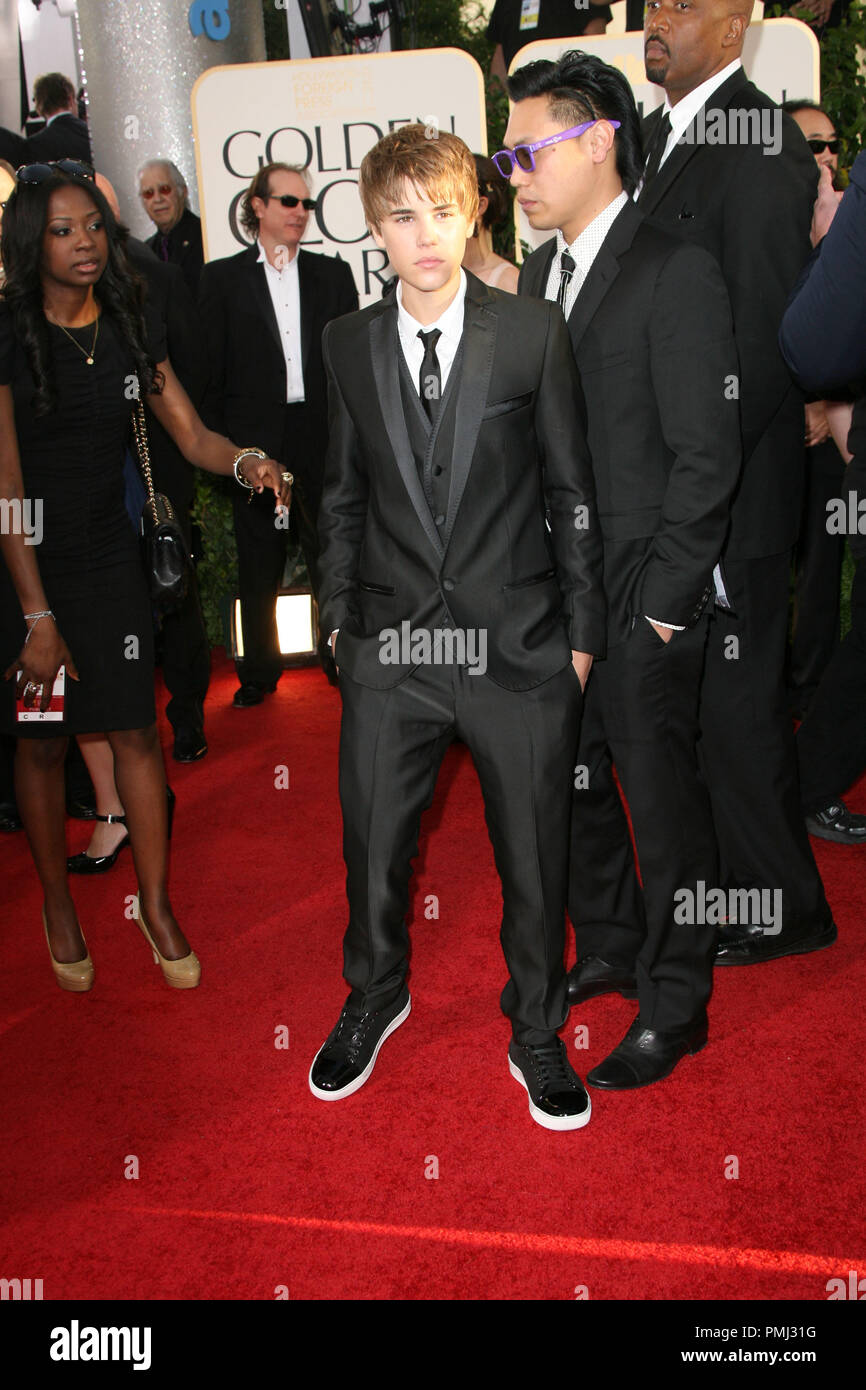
(88, 552)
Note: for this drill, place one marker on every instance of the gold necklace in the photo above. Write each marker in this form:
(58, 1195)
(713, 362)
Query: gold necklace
(88, 357)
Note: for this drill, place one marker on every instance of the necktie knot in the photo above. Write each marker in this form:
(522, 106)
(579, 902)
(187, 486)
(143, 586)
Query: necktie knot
(657, 148)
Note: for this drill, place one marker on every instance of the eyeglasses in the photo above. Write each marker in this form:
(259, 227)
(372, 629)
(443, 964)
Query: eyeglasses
(289, 200)
(523, 155)
(163, 189)
(818, 146)
(38, 173)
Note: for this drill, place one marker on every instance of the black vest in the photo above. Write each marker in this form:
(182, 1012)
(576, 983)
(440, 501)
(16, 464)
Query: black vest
(432, 445)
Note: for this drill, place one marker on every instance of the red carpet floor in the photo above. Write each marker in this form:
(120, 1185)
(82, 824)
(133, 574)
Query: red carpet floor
(247, 1183)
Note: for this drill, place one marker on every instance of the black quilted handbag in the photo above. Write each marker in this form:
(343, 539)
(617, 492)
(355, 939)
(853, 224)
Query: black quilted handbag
(167, 555)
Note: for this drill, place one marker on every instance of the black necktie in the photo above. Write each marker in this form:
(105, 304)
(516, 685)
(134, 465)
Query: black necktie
(430, 377)
(657, 149)
(567, 268)
(163, 248)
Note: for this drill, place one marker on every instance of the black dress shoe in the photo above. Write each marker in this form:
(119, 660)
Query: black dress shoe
(347, 1057)
(85, 863)
(81, 805)
(557, 1099)
(592, 976)
(835, 822)
(189, 745)
(645, 1056)
(10, 820)
(251, 693)
(749, 944)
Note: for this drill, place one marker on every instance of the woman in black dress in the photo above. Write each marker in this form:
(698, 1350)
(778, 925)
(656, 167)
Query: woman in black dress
(75, 345)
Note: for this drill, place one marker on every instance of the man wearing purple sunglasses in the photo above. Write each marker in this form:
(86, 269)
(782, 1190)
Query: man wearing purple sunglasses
(650, 327)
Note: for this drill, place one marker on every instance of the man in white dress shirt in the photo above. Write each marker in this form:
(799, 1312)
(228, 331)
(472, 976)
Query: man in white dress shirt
(264, 312)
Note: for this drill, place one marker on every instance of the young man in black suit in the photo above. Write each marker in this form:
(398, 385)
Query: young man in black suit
(460, 580)
(263, 313)
(728, 170)
(650, 327)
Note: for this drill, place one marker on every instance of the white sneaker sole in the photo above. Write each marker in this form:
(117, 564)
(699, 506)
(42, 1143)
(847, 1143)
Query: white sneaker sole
(541, 1117)
(356, 1085)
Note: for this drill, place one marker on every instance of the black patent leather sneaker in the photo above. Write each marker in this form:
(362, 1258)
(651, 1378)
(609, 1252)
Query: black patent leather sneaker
(347, 1057)
(557, 1099)
(835, 822)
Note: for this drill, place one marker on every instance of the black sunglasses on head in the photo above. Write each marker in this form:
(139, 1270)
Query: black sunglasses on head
(289, 200)
(818, 146)
(38, 173)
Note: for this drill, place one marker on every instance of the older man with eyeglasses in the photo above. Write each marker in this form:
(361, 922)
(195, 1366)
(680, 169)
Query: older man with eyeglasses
(177, 239)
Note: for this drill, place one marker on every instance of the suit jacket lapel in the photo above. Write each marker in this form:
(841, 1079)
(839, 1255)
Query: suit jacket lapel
(537, 270)
(680, 155)
(262, 296)
(384, 346)
(603, 271)
(306, 289)
(479, 342)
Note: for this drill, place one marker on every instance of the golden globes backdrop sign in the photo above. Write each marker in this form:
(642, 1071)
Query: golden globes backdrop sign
(324, 113)
(781, 57)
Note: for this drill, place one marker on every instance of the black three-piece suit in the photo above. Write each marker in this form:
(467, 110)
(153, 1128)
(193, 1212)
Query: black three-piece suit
(483, 520)
(246, 400)
(652, 338)
(752, 211)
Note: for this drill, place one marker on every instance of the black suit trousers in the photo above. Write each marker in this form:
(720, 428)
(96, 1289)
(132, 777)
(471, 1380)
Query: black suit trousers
(818, 562)
(831, 741)
(747, 742)
(642, 714)
(523, 745)
(186, 654)
(261, 546)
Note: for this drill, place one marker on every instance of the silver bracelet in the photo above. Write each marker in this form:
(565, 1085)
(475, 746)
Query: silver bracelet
(45, 613)
(242, 454)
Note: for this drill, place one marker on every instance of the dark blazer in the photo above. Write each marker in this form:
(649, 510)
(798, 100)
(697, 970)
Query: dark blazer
(653, 341)
(753, 213)
(519, 454)
(174, 310)
(246, 395)
(185, 247)
(823, 334)
(65, 138)
(13, 148)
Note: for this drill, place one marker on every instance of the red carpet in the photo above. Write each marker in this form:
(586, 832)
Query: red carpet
(247, 1183)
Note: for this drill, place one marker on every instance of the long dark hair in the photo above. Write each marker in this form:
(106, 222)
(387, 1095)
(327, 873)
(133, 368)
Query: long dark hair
(579, 87)
(119, 289)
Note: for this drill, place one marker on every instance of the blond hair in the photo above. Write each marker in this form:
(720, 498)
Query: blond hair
(439, 165)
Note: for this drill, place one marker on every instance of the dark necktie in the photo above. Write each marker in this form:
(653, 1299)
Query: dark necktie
(430, 377)
(567, 268)
(657, 149)
(163, 248)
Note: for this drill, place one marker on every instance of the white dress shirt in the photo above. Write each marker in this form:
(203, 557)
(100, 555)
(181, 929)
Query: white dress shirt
(450, 325)
(285, 291)
(583, 251)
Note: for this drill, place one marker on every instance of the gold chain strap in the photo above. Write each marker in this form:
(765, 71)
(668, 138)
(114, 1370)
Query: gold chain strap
(141, 445)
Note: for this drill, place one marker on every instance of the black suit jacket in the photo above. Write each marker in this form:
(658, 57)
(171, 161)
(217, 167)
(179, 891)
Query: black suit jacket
(519, 455)
(174, 317)
(65, 138)
(185, 248)
(653, 341)
(753, 212)
(246, 394)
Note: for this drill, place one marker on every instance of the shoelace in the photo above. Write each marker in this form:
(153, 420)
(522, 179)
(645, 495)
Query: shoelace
(552, 1067)
(355, 1039)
